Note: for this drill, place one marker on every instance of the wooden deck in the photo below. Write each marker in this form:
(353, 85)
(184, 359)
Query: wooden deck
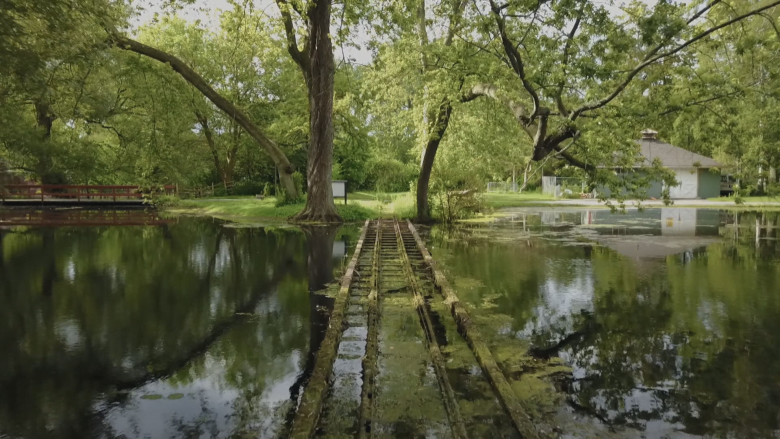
(75, 195)
(70, 202)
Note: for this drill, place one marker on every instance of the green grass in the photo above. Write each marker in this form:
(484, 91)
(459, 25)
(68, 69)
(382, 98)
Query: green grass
(748, 199)
(499, 200)
(252, 208)
(362, 206)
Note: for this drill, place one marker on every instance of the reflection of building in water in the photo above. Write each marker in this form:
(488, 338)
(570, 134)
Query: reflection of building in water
(655, 233)
(668, 221)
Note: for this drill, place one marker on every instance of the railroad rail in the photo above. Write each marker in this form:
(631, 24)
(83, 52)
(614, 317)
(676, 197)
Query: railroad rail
(399, 336)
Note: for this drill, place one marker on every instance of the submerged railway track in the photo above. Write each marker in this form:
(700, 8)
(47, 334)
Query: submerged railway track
(401, 357)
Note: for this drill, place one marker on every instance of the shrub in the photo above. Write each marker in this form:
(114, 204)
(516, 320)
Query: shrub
(267, 190)
(390, 175)
(163, 201)
(281, 195)
(455, 194)
(245, 188)
(354, 212)
(298, 180)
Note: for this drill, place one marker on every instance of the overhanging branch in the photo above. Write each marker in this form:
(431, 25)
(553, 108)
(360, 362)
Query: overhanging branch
(648, 61)
(514, 58)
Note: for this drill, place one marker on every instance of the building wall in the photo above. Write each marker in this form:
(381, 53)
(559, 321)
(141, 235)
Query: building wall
(654, 191)
(689, 184)
(709, 184)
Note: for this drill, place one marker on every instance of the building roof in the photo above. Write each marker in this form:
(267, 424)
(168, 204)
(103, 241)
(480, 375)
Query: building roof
(672, 156)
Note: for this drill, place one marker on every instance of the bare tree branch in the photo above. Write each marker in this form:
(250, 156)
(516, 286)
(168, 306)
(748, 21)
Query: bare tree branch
(515, 60)
(658, 57)
(204, 124)
(573, 160)
(231, 110)
(570, 37)
(518, 109)
(301, 57)
(703, 101)
(702, 11)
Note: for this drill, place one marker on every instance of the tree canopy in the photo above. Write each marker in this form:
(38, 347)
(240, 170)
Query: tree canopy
(383, 94)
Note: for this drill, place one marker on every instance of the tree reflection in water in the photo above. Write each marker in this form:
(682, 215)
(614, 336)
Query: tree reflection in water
(181, 330)
(686, 342)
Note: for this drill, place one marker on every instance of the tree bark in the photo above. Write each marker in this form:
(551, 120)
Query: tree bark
(277, 155)
(204, 124)
(434, 139)
(525, 176)
(433, 134)
(45, 118)
(319, 201)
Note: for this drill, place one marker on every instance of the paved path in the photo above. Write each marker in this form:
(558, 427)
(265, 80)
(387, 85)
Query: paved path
(593, 202)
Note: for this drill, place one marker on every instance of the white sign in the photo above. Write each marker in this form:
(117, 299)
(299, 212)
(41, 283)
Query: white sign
(339, 188)
(339, 249)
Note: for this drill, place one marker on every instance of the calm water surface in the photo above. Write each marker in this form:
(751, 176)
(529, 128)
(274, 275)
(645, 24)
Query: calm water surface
(669, 318)
(185, 328)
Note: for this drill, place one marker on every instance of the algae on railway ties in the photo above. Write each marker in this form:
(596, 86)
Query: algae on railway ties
(406, 388)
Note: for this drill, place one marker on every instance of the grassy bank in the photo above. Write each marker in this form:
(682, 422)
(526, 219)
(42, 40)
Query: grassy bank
(362, 206)
(250, 208)
(499, 200)
(747, 199)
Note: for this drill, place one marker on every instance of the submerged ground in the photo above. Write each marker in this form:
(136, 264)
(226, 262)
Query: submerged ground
(659, 323)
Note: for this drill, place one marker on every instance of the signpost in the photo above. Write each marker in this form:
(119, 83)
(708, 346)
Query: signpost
(340, 189)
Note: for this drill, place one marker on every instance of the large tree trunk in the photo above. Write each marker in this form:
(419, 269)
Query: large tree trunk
(45, 118)
(319, 202)
(50, 264)
(433, 134)
(204, 125)
(319, 266)
(434, 139)
(277, 155)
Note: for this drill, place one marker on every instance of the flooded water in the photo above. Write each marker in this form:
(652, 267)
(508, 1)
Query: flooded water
(657, 324)
(180, 328)
(668, 319)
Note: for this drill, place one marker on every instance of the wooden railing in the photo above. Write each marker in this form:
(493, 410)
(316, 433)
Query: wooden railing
(79, 217)
(77, 192)
(213, 190)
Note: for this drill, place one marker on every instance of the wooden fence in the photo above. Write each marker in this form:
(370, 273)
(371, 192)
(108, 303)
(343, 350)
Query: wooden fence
(217, 189)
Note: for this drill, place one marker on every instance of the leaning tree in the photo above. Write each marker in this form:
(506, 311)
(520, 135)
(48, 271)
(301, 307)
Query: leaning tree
(561, 63)
(315, 60)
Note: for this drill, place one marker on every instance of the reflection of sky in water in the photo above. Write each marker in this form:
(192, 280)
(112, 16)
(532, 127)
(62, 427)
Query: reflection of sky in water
(209, 405)
(561, 300)
(683, 304)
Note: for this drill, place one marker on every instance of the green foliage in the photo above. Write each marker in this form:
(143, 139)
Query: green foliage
(389, 175)
(455, 194)
(354, 212)
(298, 179)
(112, 117)
(248, 188)
(165, 201)
(267, 190)
(283, 200)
